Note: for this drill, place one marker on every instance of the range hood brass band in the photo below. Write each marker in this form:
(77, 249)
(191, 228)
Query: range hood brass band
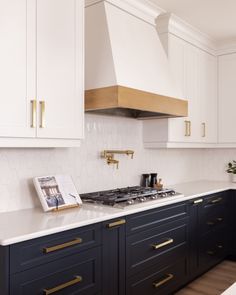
(128, 98)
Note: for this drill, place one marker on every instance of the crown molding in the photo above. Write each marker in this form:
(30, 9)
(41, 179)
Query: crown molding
(143, 9)
(226, 46)
(170, 23)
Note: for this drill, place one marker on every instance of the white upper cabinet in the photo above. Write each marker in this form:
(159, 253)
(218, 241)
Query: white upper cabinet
(195, 72)
(41, 73)
(227, 98)
(59, 68)
(207, 129)
(15, 72)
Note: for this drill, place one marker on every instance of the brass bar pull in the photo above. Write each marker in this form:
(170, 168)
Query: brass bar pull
(211, 253)
(186, 128)
(158, 246)
(220, 219)
(216, 201)
(34, 109)
(162, 282)
(42, 123)
(76, 280)
(203, 129)
(116, 223)
(189, 128)
(62, 246)
(198, 201)
(220, 247)
(210, 223)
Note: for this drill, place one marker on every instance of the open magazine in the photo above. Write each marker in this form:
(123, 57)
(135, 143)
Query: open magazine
(56, 192)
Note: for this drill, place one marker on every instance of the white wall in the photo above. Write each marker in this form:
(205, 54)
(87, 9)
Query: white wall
(215, 163)
(91, 173)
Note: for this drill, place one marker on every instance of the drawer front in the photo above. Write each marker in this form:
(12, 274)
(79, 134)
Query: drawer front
(75, 274)
(43, 250)
(152, 218)
(215, 201)
(159, 281)
(214, 219)
(156, 245)
(213, 248)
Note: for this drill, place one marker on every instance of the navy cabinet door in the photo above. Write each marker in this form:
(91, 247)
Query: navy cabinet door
(113, 257)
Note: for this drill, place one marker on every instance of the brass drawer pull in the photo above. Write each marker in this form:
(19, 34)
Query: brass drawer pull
(116, 223)
(62, 246)
(219, 219)
(198, 201)
(211, 253)
(210, 223)
(216, 201)
(34, 109)
(162, 282)
(158, 246)
(220, 247)
(76, 280)
(42, 123)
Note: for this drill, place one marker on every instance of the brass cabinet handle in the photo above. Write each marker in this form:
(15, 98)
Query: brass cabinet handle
(158, 246)
(76, 280)
(116, 223)
(211, 253)
(210, 223)
(220, 247)
(203, 129)
(216, 201)
(42, 122)
(219, 219)
(198, 201)
(34, 109)
(62, 246)
(186, 128)
(189, 128)
(162, 282)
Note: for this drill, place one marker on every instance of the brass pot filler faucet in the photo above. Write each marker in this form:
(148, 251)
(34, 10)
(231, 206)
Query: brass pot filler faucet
(109, 156)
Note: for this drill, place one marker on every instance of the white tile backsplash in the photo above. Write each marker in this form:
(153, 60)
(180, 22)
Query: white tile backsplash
(91, 173)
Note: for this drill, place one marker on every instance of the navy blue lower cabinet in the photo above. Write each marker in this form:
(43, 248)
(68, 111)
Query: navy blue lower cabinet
(75, 274)
(158, 281)
(4, 270)
(113, 257)
(210, 231)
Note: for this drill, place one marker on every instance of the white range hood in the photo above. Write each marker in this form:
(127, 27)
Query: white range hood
(127, 70)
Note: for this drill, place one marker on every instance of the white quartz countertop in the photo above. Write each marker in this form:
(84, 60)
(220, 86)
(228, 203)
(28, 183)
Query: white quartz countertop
(28, 224)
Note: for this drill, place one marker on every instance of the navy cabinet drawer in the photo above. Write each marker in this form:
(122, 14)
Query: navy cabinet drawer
(214, 219)
(152, 218)
(213, 248)
(215, 201)
(156, 245)
(38, 251)
(159, 281)
(75, 274)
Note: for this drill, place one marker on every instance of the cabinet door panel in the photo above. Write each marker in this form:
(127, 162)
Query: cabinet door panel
(59, 68)
(207, 125)
(227, 102)
(16, 91)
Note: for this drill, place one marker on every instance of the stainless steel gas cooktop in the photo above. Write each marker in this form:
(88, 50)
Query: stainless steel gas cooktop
(123, 197)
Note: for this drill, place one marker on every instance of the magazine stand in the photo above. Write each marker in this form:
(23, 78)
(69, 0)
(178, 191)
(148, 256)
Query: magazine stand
(66, 207)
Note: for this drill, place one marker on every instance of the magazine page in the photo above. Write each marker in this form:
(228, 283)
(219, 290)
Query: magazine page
(56, 191)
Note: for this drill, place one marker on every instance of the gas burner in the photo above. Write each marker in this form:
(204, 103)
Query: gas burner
(122, 197)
